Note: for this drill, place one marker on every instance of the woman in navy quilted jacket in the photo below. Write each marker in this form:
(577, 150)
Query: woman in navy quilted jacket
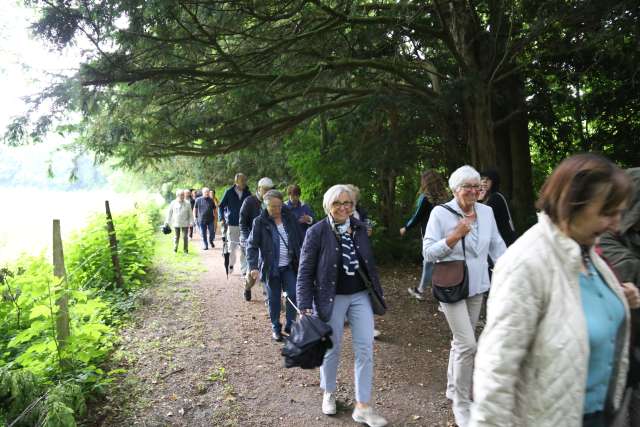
(336, 251)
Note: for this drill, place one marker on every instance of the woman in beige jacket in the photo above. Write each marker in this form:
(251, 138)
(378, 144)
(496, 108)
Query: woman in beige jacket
(554, 350)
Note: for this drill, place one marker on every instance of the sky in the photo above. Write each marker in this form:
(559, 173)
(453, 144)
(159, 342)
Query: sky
(25, 61)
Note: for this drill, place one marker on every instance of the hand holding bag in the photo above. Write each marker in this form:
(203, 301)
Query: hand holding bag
(450, 279)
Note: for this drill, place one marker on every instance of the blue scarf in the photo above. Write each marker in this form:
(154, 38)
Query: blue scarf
(349, 257)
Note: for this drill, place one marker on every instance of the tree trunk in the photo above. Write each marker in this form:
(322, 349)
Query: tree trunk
(480, 127)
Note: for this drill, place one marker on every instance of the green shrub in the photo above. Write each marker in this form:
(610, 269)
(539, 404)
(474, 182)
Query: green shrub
(33, 363)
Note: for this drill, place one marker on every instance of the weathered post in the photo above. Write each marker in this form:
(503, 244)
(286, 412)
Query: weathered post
(113, 244)
(62, 320)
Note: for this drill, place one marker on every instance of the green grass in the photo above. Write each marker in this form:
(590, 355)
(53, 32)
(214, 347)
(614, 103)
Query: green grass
(177, 261)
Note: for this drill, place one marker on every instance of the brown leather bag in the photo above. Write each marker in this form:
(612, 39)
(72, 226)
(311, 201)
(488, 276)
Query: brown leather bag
(450, 279)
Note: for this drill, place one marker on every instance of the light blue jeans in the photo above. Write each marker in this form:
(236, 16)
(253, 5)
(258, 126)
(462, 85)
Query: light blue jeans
(425, 280)
(357, 309)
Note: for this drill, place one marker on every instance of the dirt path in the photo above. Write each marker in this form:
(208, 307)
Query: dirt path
(199, 355)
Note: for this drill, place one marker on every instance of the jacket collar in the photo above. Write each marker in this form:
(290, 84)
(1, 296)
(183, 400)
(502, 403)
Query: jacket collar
(566, 249)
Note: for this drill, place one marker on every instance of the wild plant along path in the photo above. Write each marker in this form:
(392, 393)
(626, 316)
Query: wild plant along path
(199, 355)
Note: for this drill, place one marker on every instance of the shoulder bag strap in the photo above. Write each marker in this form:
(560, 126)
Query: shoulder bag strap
(506, 205)
(464, 251)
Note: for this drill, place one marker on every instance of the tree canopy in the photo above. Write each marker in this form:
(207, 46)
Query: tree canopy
(436, 83)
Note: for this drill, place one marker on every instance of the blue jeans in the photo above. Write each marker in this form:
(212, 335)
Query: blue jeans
(357, 309)
(427, 269)
(209, 227)
(284, 282)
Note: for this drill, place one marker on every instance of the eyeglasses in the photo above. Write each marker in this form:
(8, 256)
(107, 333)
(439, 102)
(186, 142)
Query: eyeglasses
(468, 187)
(345, 205)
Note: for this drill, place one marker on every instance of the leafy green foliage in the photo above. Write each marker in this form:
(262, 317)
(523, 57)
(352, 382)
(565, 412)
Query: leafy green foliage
(34, 365)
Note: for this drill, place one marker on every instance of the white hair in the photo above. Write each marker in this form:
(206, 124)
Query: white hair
(179, 193)
(204, 189)
(461, 175)
(333, 194)
(272, 194)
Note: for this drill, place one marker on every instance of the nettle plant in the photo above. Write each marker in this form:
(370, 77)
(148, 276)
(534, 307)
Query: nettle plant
(38, 372)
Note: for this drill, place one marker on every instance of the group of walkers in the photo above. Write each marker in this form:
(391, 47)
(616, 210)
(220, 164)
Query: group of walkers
(190, 209)
(557, 348)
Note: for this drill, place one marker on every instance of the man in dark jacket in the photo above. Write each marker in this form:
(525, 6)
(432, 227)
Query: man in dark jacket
(204, 209)
(622, 251)
(229, 213)
(249, 211)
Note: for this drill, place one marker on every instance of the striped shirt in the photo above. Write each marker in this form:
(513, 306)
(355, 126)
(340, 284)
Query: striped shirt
(283, 260)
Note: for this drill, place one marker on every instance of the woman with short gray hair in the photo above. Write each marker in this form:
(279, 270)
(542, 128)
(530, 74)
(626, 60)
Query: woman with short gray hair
(463, 229)
(180, 217)
(336, 259)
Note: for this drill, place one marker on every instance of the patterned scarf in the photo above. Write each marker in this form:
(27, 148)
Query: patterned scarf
(349, 257)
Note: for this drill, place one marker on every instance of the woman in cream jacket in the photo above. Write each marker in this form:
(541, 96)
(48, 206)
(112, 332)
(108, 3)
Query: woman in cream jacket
(554, 350)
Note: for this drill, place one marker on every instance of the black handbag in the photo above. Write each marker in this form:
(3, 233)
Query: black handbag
(377, 302)
(450, 279)
(166, 229)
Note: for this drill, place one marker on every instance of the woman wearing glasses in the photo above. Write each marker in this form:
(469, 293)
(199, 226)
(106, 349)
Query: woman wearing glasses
(335, 256)
(272, 250)
(472, 224)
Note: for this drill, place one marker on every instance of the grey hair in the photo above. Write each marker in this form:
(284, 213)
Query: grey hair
(178, 193)
(272, 194)
(204, 189)
(461, 175)
(333, 193)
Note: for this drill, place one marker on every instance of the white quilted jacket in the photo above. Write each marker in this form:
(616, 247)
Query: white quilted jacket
(532, 359)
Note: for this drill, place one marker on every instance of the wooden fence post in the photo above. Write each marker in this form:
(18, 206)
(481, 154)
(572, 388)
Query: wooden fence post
(113, 244)
(62, 320)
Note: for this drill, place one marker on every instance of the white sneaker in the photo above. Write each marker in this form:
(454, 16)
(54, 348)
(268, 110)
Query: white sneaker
(367, 416)
(329, 403)
(376, 333)
(414, 292)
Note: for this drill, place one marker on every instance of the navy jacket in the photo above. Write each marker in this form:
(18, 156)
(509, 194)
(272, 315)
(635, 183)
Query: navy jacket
(230, 205)
(249, 211)
(319, 263)
(263, 245)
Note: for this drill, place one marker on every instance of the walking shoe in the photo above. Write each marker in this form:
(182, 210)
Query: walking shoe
(276, 336)
(329, 403)
(247, 295)
(367, 416)
(376, 333)
(414, 292)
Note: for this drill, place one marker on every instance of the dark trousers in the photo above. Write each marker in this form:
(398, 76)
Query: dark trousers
(208, 233)
(185, 238)
(284, 282)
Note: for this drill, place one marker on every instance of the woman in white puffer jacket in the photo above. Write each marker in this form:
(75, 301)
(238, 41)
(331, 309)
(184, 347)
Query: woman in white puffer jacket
(554, 350)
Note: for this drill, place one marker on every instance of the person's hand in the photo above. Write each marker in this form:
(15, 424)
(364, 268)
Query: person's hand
(254, 274)
(306, 312)
(403, 231)
(632, 294)
(463, 228)
(369, 231)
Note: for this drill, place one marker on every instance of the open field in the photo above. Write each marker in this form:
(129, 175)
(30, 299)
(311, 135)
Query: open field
(26, 215)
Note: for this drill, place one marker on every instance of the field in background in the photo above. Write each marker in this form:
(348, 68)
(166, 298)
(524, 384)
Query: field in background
(26, 215)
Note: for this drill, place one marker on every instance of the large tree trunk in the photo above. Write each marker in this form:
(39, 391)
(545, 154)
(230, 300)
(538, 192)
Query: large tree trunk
(522, 198)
